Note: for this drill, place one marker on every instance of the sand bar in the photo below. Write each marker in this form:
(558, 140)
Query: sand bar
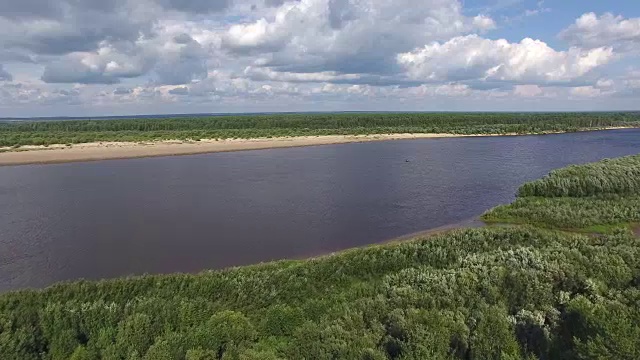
(125, 150)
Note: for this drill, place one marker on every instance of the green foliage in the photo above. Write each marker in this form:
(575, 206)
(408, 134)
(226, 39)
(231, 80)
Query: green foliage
(597, 197)
(81, 353)
(518, 292)
(569, 213)
(200, 354)
(135, 334)
(283, 125)
(618, 176)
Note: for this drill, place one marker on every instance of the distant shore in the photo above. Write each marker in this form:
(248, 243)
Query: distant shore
(125, 150)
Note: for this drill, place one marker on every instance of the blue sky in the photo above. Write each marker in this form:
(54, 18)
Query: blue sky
(549, 24)
(119, 57)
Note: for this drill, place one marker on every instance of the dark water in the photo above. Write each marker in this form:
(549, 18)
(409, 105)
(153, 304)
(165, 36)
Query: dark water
(185, 214)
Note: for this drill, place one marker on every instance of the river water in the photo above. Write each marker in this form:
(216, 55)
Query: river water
(185, 214)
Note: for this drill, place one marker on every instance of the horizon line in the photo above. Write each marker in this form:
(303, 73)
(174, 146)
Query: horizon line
(172, 115)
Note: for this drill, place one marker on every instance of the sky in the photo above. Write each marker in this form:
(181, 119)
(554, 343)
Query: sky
(126, 57)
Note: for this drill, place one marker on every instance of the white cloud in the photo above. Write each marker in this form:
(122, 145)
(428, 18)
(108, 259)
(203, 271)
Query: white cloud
(585, 91)
(474, 58)
(483, 23)
(174, 59)
(540, 9)
(348, 37)
(266, 54)
(527, 90)
(592, 31)
(267, 74)
(605, 83)
(453, 90)
(105, 66)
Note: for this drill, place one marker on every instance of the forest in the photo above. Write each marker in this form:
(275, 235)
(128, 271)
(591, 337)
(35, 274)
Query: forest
(520, 291)
(19, 133)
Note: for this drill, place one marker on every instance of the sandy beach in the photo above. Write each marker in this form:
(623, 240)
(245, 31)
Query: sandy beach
(125, 150)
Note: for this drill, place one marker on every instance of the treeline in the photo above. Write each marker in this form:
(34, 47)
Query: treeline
(250, 126)
(493, 293)
(618, 176)
(591, 197)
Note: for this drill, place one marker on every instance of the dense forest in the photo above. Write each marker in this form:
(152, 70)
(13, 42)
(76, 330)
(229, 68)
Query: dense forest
(275, 125)
(504, 292)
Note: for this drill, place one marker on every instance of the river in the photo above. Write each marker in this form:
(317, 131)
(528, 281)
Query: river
(189, 213)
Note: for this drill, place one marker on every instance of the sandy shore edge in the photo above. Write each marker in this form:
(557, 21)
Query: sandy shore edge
(125, 150)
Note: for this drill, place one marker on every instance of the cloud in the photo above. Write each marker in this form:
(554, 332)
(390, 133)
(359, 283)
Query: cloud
(540, 9)
(196, 6)
(274, 52)
(592, 31)
(585, 91)
(266, 74)
(527, 90)
(4, 74)
(483, 23)
(181, 61)
(61, 27)
(475, 58)
(13, 94)
(30, 9)
(105, 66)
(172, 58)
(74, 69)
(348, 36)
(122, 91)
(275, 3)
(182, 90)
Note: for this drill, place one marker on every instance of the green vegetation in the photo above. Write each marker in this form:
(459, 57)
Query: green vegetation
(516, 292)
(253, 126)
(593, 198)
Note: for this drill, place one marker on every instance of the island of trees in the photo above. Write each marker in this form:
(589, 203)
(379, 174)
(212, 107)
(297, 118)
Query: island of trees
(561, 282)
(18, 133)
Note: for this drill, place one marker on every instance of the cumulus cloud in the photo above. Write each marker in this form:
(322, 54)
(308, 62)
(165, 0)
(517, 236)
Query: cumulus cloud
(101, 42)
(592, 31)
(247, 52)
(475, 58)
(4, 74)
(105, 66)
(74, 69)
(348, 36)
(483, 23)
(181, 61)
(61, 27)
(174, 59)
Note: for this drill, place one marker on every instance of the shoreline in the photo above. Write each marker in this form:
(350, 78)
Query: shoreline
(97, 151)
(472, 223)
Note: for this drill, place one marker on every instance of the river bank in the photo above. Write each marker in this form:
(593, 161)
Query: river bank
(62, 153)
